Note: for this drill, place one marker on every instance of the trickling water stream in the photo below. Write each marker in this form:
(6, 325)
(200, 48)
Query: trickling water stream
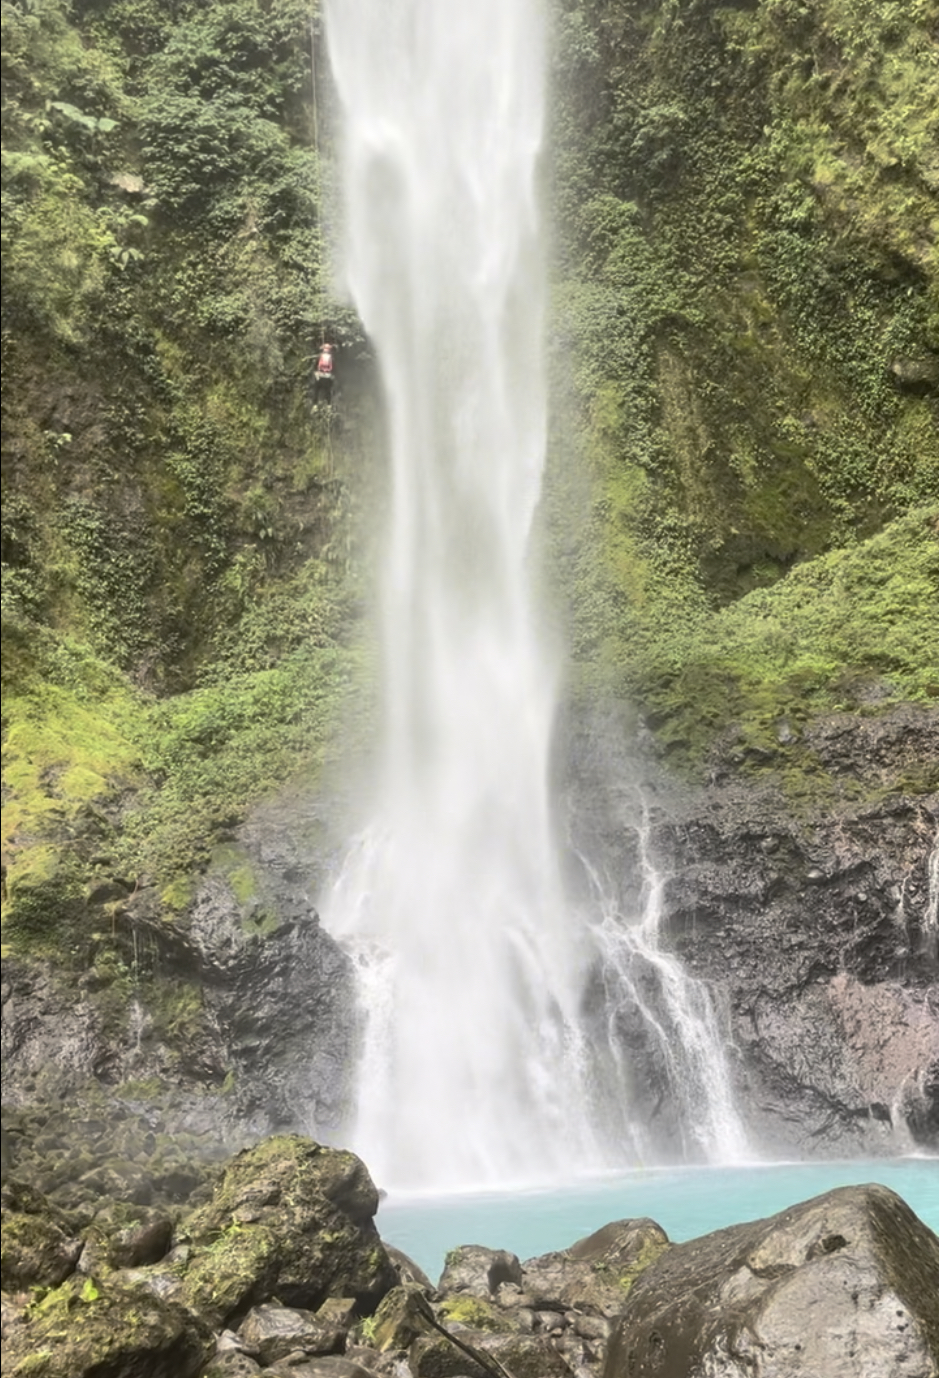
(472, 965)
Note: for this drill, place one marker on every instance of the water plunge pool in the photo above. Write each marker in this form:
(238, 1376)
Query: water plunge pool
(685, 1201)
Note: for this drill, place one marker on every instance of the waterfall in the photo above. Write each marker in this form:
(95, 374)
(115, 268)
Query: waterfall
(640, 979)
(476, 1066)
(931, 915)
(450, 899)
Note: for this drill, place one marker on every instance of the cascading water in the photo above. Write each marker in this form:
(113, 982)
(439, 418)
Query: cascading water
(469, 970)
(472, 966)
(931, 919)
(641, 979)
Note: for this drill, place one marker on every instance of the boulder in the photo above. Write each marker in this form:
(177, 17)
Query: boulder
(329, 1366)
(407, 1270)
(289, 1220)
(232, 1363)
(842, 1286)
(478, 1270)
(403, 1314)
(442, 1356)
(475, 1313)
(39, 1246)
(86, 1330)
(526, 1356)
(123, 1236)
(271, 1332)
(595, 1275)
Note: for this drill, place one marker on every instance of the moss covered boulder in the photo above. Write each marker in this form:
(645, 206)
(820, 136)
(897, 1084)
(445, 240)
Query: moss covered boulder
(842, 1285)
(40, 1247)
(594, 1276)
(88, 1330)
(288, 1219)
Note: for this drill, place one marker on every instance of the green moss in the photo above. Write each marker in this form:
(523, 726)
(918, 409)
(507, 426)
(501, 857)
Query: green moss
(743, 258)
(475, 1313)
(854, 627)
(650, 1251)
(178, 894)
(175, 1009)
(233, 863)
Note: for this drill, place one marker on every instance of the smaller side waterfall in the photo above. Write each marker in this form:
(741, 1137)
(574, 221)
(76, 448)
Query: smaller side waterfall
(931, 918)
(652, 1011)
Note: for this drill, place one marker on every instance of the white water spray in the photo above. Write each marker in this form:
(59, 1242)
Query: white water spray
(450, 899)
(472, 967)
(644, 981)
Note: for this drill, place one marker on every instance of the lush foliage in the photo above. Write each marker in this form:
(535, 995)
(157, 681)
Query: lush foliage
(176, 557)
(747, 343)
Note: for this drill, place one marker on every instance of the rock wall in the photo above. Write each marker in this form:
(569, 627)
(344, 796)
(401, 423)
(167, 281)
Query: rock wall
(264, 1021)
(811, 921)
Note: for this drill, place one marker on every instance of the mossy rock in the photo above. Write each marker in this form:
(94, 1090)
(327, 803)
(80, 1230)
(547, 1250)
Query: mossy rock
(473, 1312)
(87, 1329)
(39, 1246)
(402, 1315)
(440, 1356)
(288, 1219)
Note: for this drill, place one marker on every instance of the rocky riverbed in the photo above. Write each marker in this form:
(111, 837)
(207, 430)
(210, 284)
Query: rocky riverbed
(270, 1264)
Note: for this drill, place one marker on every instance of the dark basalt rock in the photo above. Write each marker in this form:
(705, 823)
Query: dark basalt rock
(480, 1271)
(289, 1220)
(809, 916)
(272, 1332)
(841, 1286)
(594, 1276)
(271, 1008)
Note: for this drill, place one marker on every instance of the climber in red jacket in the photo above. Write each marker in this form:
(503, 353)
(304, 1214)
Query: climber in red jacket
(323, 375)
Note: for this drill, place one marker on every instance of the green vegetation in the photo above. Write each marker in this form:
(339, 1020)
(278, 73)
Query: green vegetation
(176, 564)
(474, 1312)
(747, 353)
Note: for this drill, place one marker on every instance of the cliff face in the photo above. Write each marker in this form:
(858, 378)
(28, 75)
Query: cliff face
(811, 919)
(740, 520)
(746, 336)
(746, 352)
(819, 928)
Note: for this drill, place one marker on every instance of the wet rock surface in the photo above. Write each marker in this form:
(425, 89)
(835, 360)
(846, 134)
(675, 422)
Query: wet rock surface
(802, 891)
(805, 897)
(266, 996)
(843, 1286)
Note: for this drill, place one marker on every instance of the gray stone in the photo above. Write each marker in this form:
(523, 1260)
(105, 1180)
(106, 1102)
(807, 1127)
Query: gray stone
(329, 1366)
(407, 1269)
(287, 1220)
(595, 1274)
(843, 1286)
(474, 1268)
(272, 1332)
(825, 993)
(232, 1363)
(527, 1356)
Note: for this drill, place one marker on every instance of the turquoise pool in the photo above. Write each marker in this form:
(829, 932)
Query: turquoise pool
(686, 1201)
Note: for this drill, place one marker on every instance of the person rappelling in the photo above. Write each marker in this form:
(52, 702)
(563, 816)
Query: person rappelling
(323, 375)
